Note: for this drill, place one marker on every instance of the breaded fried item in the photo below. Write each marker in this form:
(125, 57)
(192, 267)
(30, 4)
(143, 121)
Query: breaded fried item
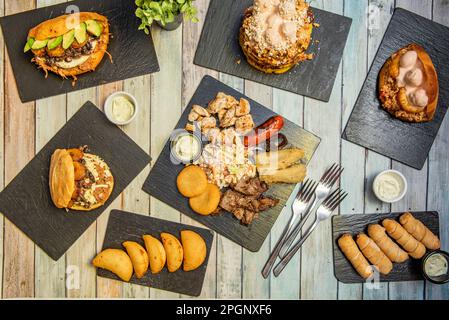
(414, 248)
(419, 231)
(373, 253)
(388, 246)
(355, 256)
(291, 175)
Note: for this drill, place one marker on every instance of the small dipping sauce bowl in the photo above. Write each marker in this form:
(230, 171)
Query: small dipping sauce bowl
(185, 147)
(121, 108)
(390, 186)
(435, 267)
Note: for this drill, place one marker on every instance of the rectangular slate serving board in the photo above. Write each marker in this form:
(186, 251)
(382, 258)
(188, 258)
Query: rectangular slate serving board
(357, 223)
(132, 50)
(370, 126)
(161, 183)
(125, 226)
(26, 201)
(219, 49)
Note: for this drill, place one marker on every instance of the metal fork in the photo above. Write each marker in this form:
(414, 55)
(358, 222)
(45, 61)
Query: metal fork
(323, 213)
(300, 204)
(325, 186)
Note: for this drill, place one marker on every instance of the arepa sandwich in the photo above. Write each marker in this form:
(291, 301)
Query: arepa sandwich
(79, 180)
(69, 45)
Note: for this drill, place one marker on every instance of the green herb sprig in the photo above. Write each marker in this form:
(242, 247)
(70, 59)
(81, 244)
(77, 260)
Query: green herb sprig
(164, 11)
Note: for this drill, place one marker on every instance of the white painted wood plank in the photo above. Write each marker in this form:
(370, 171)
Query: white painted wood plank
(229, 254)
(254, 286)
(192, 75)
(166, 107)
(379, 15)
(438, 170)
(107, 288)
(316, 253)
(353, 156)
(80, 255)
(417, 180)
(19, 121)
(287, 285)
(50, 117)
(134, 198)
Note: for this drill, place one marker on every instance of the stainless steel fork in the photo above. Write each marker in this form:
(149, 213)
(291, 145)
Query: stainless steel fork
(324, 212)
(300, 204)
(325, 186)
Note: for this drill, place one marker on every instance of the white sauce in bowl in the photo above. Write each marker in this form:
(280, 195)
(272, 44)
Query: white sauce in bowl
(389, 186)
(122, 109)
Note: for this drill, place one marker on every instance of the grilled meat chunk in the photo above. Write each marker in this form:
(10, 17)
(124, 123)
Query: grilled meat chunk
(245, 208)
(250, 186)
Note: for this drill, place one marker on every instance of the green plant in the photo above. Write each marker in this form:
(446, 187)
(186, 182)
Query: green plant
(163, 11)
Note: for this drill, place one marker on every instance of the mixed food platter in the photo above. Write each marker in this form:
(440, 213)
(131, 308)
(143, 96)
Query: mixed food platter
(230, 163)
(239, 185)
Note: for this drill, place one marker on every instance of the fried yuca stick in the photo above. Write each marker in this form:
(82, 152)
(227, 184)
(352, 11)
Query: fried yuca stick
(353, 254)
(414, 248)
(373, 253)
(419, 231)
(388, 246)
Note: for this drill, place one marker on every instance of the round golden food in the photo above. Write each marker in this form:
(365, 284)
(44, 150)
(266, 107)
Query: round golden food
(195, 250)
(207, 202)
(191, 181)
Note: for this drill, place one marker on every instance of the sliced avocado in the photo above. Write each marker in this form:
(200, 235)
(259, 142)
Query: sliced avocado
(68, 39)
(28, 45)
(39, 44)
(94, 28)
(53, 43)
(81, 33)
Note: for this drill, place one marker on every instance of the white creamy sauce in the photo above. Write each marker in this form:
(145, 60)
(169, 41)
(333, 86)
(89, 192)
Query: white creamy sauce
(186, 147)
(436, 265)
(122, 109)
(389, 186)
(75, 62)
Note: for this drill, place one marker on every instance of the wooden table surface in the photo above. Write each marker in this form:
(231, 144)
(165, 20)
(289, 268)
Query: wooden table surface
(25, 271)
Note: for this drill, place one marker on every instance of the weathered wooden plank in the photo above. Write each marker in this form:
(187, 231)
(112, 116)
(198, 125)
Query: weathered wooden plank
(229, 254)
(379, 14)
(166, 107)
(438, 172)
(2, 145)
(107, 288)
(134, 199)
(81, 277)
(417, 180)
(192, 76)
(50, 117)
(287, 285)
(18, 277)
(253, 284)
(352, 156)
(317, 250)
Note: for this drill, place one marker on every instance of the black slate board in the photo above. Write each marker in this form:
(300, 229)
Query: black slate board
(125, 226)
(372, 127)
(357, 223)
(26, 200)
(161, 183)
(219, 49)
(132, 50)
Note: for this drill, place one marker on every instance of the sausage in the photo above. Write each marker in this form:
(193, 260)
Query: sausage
(264, 132)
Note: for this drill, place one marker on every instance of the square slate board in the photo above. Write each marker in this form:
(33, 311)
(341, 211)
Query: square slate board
(372, 127)
(161, 183)
(132, 50)
(125, 226)
(26, 201)
(357, 223)
(219, 49)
